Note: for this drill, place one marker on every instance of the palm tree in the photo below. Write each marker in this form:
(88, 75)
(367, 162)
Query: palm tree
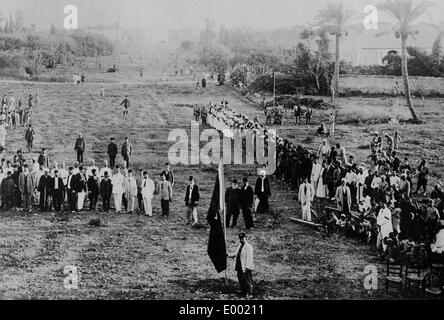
(334, 18)
(307, 34)
(2, 19)
(405, 12)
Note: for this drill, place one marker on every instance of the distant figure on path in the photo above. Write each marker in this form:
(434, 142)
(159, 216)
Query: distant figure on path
(79, 147)
(332, 121)
(126, 104)
(43, 159)
(196, 113)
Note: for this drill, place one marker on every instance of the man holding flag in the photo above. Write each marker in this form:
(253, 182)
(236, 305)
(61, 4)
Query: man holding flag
(244, 265)
(217, 247)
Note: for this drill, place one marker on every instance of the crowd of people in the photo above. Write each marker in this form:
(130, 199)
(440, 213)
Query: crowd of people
(44, 183)
(375, 200)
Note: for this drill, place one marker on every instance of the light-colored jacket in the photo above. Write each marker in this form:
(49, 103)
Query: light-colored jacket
(340, 197)
(117, 182)
(29, 183)
(148, 190)
(165, 190)
(316, 171)
(305, 196)
(246, 256)
(130, 186)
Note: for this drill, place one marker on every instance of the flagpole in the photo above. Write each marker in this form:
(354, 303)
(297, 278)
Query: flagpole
(225, 238)
(222, 196)
(274, 89)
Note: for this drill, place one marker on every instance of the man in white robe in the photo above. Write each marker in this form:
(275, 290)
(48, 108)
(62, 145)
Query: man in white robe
(147, 194)
(117, 182)
(306, 195)
(384, 221)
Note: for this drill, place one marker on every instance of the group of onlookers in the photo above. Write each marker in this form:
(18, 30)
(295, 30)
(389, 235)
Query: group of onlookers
(43, 183)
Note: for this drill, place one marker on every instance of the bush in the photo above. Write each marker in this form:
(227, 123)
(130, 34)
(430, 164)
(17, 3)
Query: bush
(285, 84)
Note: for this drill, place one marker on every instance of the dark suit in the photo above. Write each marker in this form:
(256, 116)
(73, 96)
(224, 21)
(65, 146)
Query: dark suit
(45, 191)
(80, 148)
(194, 196)
(112, 153)
(191, 201)
(43, 160)
(169, 176)
(246, 202)
(127, 151)
(106, 189)
(71, 192)
(232, 198)
(263, 195)
(58, 194)
(26, 186)
(93, 191)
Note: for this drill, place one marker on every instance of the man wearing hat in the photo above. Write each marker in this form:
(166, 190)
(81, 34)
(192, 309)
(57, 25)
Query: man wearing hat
(262, 191)
(324, 150)
(112, 152)
(7, 189)
(79, 147)
(104, 170)
(26, 186)
(343, 198)
(19, 158)
(29, 137)
(117, 181)
(93, 189)
(246, 203)
(130, 191)
(244, 265)
(57, 190)
(191, 201)
(43, 159)
(44, 187)
(148, 189)
(81, 187)
(232, 199)
(306, 196)
(106, 189)
(169, 175)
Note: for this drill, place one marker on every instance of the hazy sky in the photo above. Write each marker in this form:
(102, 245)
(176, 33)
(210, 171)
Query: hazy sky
(171, 14)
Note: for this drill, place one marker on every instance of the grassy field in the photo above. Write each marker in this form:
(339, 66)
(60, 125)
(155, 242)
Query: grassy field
(134, 257)
(384, 85)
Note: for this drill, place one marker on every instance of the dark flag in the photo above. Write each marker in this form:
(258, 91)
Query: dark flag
(217, 249)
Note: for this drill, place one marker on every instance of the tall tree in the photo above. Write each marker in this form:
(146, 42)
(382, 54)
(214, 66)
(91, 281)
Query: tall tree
(405, 13)
(437, 50)
(307, 34)
(2, 22)
(19, 21)
(334, 18)
(322, 56)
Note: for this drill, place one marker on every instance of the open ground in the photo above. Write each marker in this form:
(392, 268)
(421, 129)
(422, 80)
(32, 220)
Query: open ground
(135, 257)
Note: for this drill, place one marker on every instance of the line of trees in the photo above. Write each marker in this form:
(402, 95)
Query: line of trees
(26, 52)
(318, 69)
